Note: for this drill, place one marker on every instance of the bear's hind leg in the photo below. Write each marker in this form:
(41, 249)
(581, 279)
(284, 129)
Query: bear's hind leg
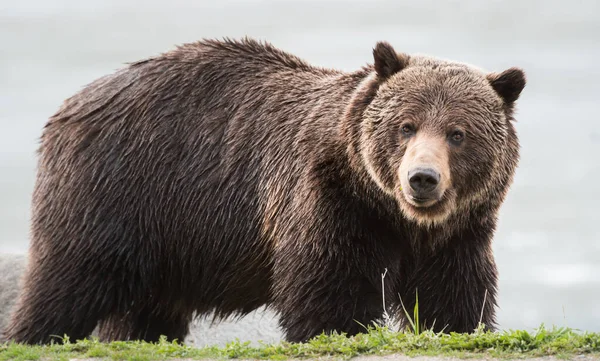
(146, 324)
(54, 302)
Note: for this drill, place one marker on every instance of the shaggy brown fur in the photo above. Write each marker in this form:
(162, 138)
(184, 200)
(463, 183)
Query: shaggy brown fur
(226, 175)
(12, 267)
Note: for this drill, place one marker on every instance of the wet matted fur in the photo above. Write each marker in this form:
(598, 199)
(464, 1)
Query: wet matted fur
(227, 175)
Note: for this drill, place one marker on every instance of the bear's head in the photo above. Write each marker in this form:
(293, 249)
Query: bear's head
(436, 135)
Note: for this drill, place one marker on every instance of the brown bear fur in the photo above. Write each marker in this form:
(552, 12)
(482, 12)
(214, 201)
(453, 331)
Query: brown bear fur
(12, 267)
(227, 175)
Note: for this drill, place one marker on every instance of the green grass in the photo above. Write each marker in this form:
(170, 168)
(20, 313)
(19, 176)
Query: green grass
(562, 342)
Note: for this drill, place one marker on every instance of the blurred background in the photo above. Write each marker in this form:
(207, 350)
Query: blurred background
(548, 240)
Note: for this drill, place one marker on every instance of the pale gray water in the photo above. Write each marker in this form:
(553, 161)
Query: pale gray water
(548, 242)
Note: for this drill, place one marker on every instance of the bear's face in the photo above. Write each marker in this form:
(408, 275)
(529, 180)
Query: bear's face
(437, 136)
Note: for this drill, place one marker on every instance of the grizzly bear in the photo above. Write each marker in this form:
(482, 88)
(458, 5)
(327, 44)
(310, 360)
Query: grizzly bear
(228, 175)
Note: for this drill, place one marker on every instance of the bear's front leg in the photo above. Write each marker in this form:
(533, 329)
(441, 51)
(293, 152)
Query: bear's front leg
(323, 278)
(455, 286)
(317, 290)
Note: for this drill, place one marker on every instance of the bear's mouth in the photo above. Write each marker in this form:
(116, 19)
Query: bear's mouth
(422, 202)
(427, 209)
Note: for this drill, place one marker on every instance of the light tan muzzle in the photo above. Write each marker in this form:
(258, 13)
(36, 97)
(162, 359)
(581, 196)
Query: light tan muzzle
(425, 170)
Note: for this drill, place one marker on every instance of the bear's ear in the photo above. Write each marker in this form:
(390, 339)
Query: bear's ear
(387, 61)
(508, 84)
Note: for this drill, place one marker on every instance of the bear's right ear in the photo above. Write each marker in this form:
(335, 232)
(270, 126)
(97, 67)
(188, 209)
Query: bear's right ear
(387, 61)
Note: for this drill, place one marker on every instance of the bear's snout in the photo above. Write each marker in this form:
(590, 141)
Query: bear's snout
(424, 171)
(424, 182)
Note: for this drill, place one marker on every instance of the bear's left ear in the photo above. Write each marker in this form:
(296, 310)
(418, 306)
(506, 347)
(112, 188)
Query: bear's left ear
(508, 84)
(387, 61)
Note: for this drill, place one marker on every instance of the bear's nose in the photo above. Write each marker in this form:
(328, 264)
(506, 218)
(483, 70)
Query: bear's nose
(423, 180)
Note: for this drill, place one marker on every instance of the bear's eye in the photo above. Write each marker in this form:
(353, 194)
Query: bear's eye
(408, 130)
(457, 136)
